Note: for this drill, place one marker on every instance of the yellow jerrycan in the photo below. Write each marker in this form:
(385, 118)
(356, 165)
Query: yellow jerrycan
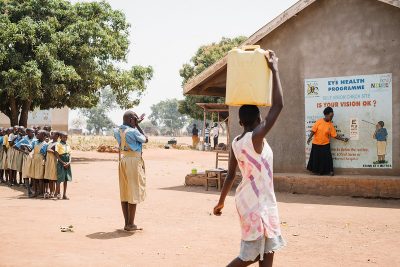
(249, 79)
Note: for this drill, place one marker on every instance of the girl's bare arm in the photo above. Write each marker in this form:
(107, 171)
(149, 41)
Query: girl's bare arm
(277, 105)
(227, 184)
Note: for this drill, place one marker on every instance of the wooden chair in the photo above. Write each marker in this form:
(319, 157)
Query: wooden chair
(221, 156)
(215, 175)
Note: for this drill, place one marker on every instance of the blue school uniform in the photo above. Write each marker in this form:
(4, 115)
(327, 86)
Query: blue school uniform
(134, 139)
(25, 141)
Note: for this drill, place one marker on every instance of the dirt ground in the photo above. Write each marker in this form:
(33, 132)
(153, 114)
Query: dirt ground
(179, 229)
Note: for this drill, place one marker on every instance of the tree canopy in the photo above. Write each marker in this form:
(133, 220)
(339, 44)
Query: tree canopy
(166, 116)
(54, 54)
(205, 56)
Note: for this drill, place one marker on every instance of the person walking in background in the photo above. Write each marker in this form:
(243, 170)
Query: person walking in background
(132, 180)
(195, 136)
(380, 136)
(321, 161)
(207, 134)
(215, 133)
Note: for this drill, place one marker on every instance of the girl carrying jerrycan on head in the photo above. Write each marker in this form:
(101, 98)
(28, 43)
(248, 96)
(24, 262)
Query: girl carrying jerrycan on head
(255, 196)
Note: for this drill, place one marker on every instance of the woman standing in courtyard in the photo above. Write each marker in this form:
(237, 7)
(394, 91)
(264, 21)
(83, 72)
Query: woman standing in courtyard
(321, 161)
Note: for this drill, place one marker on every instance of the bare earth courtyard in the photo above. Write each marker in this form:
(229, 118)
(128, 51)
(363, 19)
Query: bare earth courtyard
(178, 227)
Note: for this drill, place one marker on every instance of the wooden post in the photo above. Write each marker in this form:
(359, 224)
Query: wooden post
(228, 134)
(204, 129)
(219, 126)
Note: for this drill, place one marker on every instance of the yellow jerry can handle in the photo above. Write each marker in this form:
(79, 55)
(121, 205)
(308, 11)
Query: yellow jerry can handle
(250, 47)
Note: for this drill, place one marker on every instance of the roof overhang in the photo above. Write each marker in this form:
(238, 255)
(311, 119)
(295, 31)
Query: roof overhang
(212, 80)
(220, 108)
(214, 107)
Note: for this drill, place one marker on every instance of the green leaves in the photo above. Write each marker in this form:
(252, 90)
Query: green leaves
(129, 85)
(188, 105)
(28, 76)
(205, 56)
(97, 117)
(166, 116)
(54, 53)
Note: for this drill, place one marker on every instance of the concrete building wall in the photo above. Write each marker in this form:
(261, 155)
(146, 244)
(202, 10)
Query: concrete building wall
(59, 120)
(330, 38)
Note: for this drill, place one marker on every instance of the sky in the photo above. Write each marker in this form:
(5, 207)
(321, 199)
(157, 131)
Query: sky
(166, 34)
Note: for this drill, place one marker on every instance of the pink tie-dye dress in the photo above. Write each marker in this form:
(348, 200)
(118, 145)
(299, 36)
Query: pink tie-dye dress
(255, 196)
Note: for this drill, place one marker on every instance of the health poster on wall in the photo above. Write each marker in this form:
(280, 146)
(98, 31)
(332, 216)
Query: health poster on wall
(362, 106)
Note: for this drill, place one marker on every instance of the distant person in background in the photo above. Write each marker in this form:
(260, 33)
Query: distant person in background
(207, 134)
(215, 133)
(321, 161)
(47, 128)
(380, 136)
(36, 129)
(195, 136)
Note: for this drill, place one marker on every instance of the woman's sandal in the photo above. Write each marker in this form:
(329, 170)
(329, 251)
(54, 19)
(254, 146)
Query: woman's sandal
(58, 196)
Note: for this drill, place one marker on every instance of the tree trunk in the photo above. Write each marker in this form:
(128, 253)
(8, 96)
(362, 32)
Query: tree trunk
(13, 112)
(23, 119)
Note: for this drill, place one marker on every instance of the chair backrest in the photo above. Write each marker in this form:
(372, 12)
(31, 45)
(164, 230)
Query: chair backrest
(221, 156)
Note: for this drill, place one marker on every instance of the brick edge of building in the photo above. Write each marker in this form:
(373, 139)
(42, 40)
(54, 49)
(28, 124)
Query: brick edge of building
(355, 186)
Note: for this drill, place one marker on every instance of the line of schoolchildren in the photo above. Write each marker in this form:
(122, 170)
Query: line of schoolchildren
(42, 158)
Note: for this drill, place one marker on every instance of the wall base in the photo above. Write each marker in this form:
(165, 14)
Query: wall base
(342, 185)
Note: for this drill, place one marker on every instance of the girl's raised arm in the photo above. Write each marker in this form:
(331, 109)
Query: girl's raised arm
(277, 104)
